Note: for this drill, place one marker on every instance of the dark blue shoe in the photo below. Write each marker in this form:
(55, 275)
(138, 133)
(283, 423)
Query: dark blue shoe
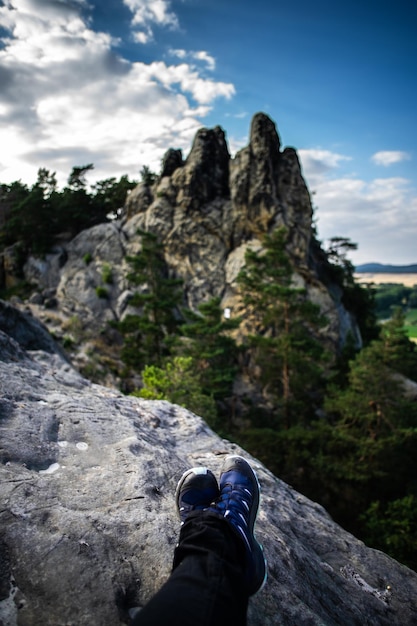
(197, 489)
(239, 503)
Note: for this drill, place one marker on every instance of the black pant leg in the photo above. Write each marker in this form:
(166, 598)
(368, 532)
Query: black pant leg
(206, 586)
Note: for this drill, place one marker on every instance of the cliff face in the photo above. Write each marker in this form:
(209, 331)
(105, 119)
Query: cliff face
(206, 211)
(88, 522)
(210, 208)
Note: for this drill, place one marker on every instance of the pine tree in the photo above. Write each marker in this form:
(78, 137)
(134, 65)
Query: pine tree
(286, 349)
(150, 333)
(392, 527)
(358, 300)
(74, 205)
(376, 416)
(29, 214)
(374, 404)
(212, 348)
(396, 349)
(110, 196)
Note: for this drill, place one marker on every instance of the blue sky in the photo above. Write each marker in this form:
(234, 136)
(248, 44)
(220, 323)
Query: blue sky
(118, 82)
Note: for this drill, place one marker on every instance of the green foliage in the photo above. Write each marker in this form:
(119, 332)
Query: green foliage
(12, 194)
(110, 194)
(396, 349)
(332, 464)
(357, 299)
(150, 334)
(411, 323)
(68, 342)
(212, 348)
(360, 460)
(373, 405)
(390, 296)
(287, 350)
(76, 179)
(392, 527)
(36, 216)
(47, 182)
(22, 289)
(102, 292)
(87, 258)
(29, 221)
(179, 383)
(106, 274)
(74, 205)
(381, 423)
(148, 177)
(337, 256)
(320, 461)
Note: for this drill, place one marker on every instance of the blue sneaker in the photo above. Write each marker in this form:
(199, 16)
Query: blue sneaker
(239, 503)
(197, 489)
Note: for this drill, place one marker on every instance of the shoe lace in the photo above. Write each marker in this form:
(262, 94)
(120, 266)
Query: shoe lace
(234, 502)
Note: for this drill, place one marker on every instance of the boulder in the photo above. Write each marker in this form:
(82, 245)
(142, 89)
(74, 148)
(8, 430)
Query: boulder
(94, 276)
(45, 271)
(138, 199)
(88, 521)
(28, 332)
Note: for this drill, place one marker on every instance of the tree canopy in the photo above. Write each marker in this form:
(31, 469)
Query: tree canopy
(286, 346)
(149, 332)
(35, 216)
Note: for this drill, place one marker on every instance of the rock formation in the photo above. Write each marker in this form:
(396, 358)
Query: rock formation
(212, 207)
(206, 211)
(87, 516)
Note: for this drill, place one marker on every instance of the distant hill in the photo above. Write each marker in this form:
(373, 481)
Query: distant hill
(379, 268)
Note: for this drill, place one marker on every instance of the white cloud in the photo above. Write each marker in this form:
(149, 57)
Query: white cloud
(204, 56)
(203, 90)
(149, 13)
(143, 36)
(389, 157)
(67, 99)
(318, 161)
(180, 54)
(200, 55)
(380, 214)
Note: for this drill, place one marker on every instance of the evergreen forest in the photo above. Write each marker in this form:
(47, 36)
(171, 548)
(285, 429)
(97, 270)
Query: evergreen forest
(338, 428)
(390, 296)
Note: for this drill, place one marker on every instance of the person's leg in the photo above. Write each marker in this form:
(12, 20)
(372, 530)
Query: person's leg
(207, 584)
(218, 562)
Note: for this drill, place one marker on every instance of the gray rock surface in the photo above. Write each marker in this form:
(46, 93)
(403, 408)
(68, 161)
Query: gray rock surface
(27, 331)
(87, 516)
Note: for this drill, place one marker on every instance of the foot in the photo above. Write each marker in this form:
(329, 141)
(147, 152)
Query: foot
(197, 489)
(239, 503)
